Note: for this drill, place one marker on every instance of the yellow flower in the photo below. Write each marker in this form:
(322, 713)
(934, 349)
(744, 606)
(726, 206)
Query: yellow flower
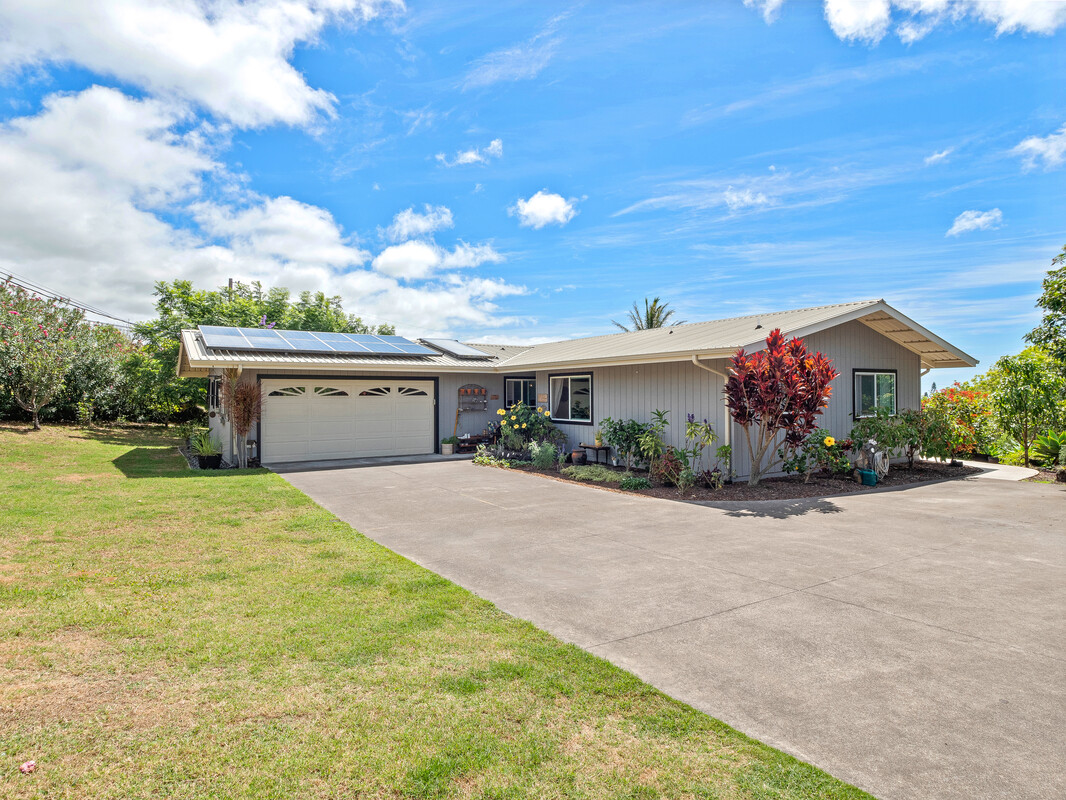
(513, 418)
(523, 424)
(503, 424)
(500, 411)
(830, 441)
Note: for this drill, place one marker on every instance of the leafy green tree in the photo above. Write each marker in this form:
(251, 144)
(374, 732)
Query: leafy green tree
(39, 340)
(1027, 395)
(656, 314)
(151, 372)
(1051, 333)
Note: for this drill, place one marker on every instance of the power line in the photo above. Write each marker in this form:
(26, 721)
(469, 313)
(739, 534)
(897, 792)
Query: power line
(36, 288)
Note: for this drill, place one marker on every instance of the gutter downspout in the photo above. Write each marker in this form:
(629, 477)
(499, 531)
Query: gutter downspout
(728, 419)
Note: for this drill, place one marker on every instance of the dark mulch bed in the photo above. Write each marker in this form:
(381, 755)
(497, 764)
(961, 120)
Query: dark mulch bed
(1044, 475)
(789, 488)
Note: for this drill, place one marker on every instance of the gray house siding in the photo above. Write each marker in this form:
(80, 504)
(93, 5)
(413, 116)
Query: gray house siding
(635, 391)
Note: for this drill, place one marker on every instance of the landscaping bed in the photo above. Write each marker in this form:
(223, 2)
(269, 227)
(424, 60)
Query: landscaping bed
(782, 488)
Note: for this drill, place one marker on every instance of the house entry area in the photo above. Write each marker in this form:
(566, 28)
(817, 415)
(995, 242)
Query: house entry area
(326, 418)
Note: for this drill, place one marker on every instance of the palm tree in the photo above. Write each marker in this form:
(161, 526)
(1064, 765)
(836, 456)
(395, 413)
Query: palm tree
(654, 315)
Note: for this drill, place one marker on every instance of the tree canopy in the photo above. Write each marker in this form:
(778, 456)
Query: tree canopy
(656, 314)
(39, 339)
(1051, 333)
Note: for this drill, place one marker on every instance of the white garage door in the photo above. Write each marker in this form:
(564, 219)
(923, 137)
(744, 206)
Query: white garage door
(321, 418)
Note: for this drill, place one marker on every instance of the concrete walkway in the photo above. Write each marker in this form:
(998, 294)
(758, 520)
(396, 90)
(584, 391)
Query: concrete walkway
(910, 642)
(1001, 472)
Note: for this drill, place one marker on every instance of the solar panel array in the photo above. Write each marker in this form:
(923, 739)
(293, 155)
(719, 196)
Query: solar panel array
(455, 348)
(269, 340)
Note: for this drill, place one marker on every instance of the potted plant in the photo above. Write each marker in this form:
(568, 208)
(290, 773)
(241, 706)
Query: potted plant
(599, 438)
(447, 446)
(207, 449)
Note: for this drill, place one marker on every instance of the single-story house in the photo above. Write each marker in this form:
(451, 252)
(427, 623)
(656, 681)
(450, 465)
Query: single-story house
(336, 396)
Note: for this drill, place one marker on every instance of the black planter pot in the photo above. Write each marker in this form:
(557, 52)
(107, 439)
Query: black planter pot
(209, 462)
(579, 457)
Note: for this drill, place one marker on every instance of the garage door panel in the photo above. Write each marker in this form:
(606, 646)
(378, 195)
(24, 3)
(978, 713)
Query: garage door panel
(344, 418)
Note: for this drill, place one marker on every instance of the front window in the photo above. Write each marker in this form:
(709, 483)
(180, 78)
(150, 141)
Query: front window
(874, 391)
(571, 398)
(520, 390)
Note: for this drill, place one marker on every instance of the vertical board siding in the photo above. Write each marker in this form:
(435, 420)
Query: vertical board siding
(635, 391)
(853, 346)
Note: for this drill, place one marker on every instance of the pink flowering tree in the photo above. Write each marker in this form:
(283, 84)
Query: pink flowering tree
(39, 338)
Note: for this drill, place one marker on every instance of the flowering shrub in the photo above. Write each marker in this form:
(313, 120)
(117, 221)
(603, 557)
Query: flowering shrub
(39, 340)
(523, 424)
(820, 451)
(969, 416)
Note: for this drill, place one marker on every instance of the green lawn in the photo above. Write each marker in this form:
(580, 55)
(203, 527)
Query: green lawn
(166, 633)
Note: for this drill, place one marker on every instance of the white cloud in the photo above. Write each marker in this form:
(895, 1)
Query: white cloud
(105, 195)
(474, 155)
(409, 223)
(768, 8)
(416, 260)
(544, 208)
(230, 57)
(281, 228)
(1050, 149)
(870, 20)
(865, 20)
(937, 157)
(744, 198)
(975, 221)
(411, 260)
(522, 61)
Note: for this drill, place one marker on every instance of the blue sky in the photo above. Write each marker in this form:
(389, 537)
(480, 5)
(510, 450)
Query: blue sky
(555, 162)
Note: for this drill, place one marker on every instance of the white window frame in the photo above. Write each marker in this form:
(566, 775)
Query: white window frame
(569, 378)
(857, 392)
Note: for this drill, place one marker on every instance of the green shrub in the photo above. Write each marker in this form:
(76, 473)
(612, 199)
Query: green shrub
(634, 483)
(667, 468)
(1049, 448)
(485, 457)
(594, 473)
(544, 455)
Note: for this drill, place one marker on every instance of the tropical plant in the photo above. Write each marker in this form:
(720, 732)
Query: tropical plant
(650, 440)
(1051, 333)
(242, 403)
(1050, 447)
(544, 455)
(668, 468)
(656, 314)
(776, 395)
(624, 437)
(1027, 395)
(204, 444)
(39, 340)
(634, 483)
(521, 424)
(698, 437)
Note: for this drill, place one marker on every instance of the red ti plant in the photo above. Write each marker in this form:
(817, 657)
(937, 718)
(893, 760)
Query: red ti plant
(776, 395)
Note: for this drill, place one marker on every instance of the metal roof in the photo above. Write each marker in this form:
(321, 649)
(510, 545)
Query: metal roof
(713, 339)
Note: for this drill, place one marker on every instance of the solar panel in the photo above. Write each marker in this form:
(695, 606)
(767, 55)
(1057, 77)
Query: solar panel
(272, 340)
(456, 348)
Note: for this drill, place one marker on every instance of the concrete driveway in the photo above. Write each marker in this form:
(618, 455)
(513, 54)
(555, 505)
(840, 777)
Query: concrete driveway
(910, 642)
